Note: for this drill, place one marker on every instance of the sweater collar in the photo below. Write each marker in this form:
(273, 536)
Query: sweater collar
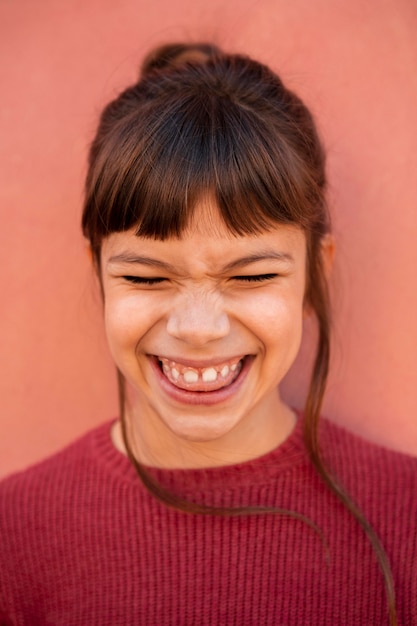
(260, 470)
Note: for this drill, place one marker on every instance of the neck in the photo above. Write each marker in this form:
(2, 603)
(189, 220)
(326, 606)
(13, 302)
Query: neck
(154, 450)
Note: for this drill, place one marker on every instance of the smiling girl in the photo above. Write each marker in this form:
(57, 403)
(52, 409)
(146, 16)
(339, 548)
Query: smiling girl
(210, 501)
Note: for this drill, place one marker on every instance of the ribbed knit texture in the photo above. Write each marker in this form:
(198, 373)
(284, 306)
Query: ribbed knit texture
(83, 543)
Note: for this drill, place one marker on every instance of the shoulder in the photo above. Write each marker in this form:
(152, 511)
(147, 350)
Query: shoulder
(355, 456)
(382, 481)
(63, 507)
(28, 495)
(57, 502)
(75, 453)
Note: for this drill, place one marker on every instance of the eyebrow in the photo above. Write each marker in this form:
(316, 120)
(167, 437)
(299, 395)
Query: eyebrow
(125, 257)
(254, 258)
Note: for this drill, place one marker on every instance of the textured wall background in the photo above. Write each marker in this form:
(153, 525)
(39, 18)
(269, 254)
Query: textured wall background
(355, 65)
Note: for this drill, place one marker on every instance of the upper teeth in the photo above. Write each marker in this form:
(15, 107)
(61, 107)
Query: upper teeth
(209, 374)
(225, 370)
(192, 375)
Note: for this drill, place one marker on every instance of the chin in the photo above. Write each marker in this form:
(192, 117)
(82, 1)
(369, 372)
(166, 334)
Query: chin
(199, 429)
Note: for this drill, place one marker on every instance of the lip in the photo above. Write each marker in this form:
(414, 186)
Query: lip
(206, 398)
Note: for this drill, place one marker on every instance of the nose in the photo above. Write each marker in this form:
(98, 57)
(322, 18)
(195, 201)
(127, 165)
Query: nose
(198, 319)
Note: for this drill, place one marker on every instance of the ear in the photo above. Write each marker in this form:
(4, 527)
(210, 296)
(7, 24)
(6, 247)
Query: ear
(328, 251)
(89, 253)
(92, 259)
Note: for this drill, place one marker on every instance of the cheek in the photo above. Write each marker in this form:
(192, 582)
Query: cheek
(126, 321)
(277, 323)
(279, 314)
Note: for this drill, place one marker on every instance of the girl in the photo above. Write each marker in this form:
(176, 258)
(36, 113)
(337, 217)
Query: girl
(209, 501)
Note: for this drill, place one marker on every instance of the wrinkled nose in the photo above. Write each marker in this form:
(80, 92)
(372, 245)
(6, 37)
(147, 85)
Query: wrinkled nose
(198, 319)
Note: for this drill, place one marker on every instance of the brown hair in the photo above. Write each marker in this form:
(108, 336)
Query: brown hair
(201, 123)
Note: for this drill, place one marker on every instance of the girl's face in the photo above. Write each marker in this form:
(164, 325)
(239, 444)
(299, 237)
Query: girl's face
(204, 328)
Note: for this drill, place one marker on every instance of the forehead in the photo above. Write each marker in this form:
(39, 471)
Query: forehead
(207, 243)
(207, 237)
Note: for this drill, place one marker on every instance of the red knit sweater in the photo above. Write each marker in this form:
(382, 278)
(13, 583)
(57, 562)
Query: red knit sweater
(83, 543)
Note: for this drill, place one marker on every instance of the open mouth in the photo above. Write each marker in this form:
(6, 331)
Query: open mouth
(201, 379)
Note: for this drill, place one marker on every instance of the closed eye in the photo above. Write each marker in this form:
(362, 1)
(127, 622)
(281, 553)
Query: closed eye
(255, 278)
(140, 280)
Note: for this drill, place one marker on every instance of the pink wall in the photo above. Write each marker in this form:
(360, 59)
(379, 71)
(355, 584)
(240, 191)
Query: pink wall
(353, 62)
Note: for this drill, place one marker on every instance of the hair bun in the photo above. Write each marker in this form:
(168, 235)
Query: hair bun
(177, 54)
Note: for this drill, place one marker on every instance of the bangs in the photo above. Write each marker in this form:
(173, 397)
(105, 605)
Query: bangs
(157, 163)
